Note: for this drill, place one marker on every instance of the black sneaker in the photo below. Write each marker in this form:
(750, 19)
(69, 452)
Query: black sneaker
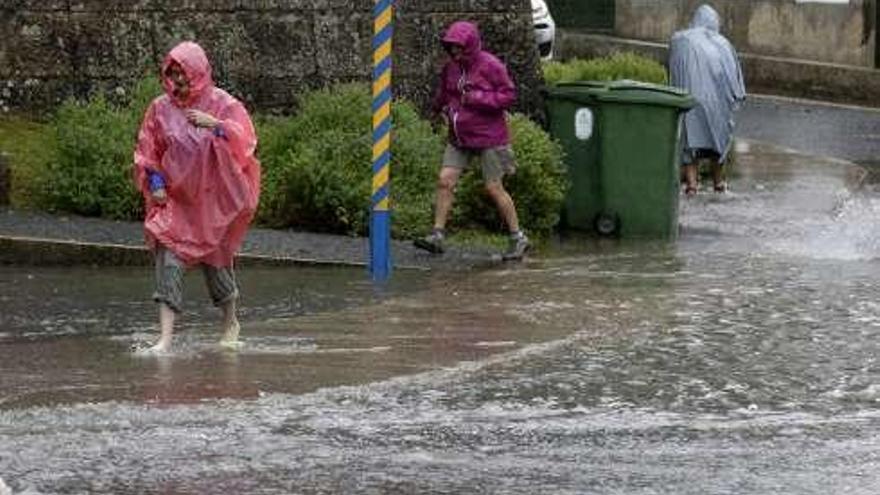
(433, 243)
(517, 247)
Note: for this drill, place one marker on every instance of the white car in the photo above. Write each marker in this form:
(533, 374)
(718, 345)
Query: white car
(545, 28)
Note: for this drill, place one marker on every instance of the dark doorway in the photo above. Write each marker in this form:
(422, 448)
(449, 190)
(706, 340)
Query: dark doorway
(583, 14)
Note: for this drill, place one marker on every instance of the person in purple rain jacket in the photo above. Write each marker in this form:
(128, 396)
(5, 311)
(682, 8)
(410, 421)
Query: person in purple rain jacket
(474, 93)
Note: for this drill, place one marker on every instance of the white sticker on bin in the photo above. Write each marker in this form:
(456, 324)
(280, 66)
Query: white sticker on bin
(583, 124)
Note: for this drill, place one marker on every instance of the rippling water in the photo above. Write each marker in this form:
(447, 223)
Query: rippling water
(743, 360)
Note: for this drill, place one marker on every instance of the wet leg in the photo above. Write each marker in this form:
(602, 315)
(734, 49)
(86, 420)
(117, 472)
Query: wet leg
(445, 195)
(231, 327)
(504, 203)
(691, 171)
(718, 176)
(166, 329)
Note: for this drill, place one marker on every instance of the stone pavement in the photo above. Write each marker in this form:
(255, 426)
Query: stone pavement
(28, 237)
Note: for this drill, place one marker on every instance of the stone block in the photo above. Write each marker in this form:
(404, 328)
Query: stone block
(352, 30)
(353, 5)
(271, 94)
(35, 45)
(264, 51)
(223, 36)
(33, 6)
(204, 6)
(106, 46)
(111, 6)
(283, 45)
(463, 6)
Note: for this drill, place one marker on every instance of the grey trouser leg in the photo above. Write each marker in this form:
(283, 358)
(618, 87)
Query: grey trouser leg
(221, 284)
(220, 281)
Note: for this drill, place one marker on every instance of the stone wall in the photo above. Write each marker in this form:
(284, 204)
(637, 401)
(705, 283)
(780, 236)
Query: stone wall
(839, 33)
(263, 51)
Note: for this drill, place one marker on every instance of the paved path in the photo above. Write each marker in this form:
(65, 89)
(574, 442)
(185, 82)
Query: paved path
(48, 239)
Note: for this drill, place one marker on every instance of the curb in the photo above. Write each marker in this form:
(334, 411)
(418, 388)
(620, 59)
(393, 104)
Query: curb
(34, 251)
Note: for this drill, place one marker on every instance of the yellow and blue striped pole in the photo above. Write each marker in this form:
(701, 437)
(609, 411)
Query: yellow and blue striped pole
(380, 217)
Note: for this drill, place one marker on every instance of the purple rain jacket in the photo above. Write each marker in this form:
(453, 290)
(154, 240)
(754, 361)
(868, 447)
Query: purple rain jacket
(475, 93)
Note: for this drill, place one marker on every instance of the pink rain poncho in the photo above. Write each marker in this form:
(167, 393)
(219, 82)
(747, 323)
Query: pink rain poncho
(212, 178)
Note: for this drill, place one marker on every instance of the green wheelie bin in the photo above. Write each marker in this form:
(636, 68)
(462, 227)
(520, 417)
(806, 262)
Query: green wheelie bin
(622, 145)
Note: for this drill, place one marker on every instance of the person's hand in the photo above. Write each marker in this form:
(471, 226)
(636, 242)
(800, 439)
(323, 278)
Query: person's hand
(201, 119)
(160, 196)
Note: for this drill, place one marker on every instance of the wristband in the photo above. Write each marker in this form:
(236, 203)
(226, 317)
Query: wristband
(156, 180)
(218, 131)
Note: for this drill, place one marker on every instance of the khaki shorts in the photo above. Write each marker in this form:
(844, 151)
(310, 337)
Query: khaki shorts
(495, 162)
(169, 281)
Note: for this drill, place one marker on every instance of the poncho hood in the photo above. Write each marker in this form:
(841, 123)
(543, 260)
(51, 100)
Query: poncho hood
(466, 35)
(194, 62)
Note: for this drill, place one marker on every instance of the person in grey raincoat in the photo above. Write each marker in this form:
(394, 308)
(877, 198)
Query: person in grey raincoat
(704, 63)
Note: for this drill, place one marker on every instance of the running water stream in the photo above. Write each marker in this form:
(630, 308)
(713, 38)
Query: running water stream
(741, 360)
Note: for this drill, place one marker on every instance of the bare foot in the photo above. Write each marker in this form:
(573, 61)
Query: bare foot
(231, 345)
(159, 349)
(230, 336)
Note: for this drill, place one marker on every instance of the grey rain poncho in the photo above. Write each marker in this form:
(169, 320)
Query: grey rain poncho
(704, 63)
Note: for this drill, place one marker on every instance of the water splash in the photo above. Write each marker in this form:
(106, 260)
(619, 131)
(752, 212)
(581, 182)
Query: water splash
(850, 231)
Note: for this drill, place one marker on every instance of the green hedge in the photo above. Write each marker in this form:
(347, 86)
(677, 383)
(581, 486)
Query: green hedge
(614, 67)
(316, 166)
(28, 145)
(87, 163)
(317, 175)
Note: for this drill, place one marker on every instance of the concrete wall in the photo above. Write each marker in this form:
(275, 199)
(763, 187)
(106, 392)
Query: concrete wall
(822, 32)
(263, 51)
(764, 74)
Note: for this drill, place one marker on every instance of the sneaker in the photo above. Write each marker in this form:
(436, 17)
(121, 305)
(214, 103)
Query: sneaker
(433, 243)
(516, 248)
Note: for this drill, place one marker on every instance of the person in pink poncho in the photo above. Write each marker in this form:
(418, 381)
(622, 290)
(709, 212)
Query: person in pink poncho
(195, 166)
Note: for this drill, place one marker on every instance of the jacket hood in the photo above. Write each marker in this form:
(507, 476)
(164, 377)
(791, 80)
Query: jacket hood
(707, 18)
(466, 35)
(192, 58)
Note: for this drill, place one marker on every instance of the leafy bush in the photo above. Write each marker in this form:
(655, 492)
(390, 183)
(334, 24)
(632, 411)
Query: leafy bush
(28, 146)
(316, 170)
(316, 165)
(89, 172)
(614, 67)
(538, 186)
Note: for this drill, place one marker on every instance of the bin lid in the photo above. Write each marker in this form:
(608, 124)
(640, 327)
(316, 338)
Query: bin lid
(624, 91)
(580, 90)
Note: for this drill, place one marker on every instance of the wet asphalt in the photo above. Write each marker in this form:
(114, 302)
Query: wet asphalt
(815, 128)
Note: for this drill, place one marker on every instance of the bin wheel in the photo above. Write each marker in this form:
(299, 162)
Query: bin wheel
(607, 224)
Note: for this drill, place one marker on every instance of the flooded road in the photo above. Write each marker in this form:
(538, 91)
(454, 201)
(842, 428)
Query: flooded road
(741, 360)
